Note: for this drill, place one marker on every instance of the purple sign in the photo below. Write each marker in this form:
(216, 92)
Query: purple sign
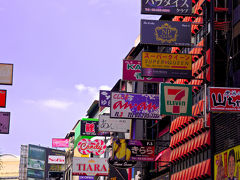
(104, 99)
(4, 122)
(132, 72)
(129, 105)
(170, 7)
(166, 33)
(86, 177)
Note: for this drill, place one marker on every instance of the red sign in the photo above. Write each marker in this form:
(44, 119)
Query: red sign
(224, 99)
(3, 94)
(86, 146)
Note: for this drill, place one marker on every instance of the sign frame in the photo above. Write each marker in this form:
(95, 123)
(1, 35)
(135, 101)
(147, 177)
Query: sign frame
(10, 78)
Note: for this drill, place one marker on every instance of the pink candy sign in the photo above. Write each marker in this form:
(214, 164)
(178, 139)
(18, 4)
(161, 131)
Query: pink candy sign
(132, 72)
(64, 143)
(86, 146)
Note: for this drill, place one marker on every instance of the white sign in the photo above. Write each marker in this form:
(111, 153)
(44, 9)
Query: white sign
(56, 159)
(90, 166)
(107, 124)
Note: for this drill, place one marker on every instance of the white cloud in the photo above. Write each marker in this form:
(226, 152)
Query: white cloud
(92, 91)
(50, 103)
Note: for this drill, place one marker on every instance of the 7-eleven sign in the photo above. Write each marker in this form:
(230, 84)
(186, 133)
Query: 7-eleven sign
(175, 99)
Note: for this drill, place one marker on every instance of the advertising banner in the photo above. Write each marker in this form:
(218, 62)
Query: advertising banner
(3, 94)
(63, 143)
(6, 74)
(4, 122)
(32, 173)
(170, 7)
(132, 72)
(104, 99)
(36, 152)
(36, 164)
(166, 65)
(176, 99)
(129, 105)
(56, 159)
(86, 146)
(136, 150)
(108, 124)
(90, 166)
(226, 164)
(89, 128)
(167, 33)
(224, 99)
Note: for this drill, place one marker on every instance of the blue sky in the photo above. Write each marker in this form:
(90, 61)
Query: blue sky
(63, 52)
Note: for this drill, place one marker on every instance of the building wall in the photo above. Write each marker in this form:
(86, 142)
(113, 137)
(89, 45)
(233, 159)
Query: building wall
(10, 166)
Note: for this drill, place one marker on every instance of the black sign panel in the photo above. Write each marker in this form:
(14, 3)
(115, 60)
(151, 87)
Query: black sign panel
(171, 7)
(167, 33)
(89, 128)
(121, 163)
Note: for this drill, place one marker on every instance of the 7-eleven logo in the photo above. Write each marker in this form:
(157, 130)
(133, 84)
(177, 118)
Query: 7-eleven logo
(176, 99)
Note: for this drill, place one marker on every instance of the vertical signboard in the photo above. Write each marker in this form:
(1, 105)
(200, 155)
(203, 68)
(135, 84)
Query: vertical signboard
(4, 122)
(129, 105)
(104, 99)
(6, 74)
(90, 166)
(176, 99)
(170, 7)
(226, 164)
(166, 65)
(3, 94)
(224, 99)
(132, 72)
(168, 33)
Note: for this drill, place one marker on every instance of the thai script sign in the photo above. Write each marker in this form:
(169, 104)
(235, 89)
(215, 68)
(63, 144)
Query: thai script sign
(60, 142)
(136, 150)
(90, 166)
(4, 122)
(56, 159)
(132, 72)
(86, 146)
(108, 124)
(6, 74)
(176, 99)
(89, 128)
(129, 105)
(224, 99)
(104, 99)
(170, 7)
(166, 65)
(226, 164)
(168, 33)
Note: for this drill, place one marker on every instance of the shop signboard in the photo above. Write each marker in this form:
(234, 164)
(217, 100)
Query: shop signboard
(4, 122)
(165, 33)
(90, 166)
(86, 177)
(89, 128)
(36, 152)
(170, 7)
(6, 74)
(33, 173)
(86, 146)
(132, 72)
(52, 159)
(62, 143)
(176, 99)
(36, 164)
(226, 164)
(224, 99)
(166, 65)
(104, 99)
(3, 94)
(136, 150)
(108, 124)
(130, 105)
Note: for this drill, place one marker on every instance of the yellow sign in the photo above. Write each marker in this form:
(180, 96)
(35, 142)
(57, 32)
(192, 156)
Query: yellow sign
(226, 164)
(166, 61)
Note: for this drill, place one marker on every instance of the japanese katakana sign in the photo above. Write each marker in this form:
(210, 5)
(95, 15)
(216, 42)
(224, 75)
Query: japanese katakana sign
(166, 65)
(104, 99)
(171, 7)
(167, 33)
(224, 99)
